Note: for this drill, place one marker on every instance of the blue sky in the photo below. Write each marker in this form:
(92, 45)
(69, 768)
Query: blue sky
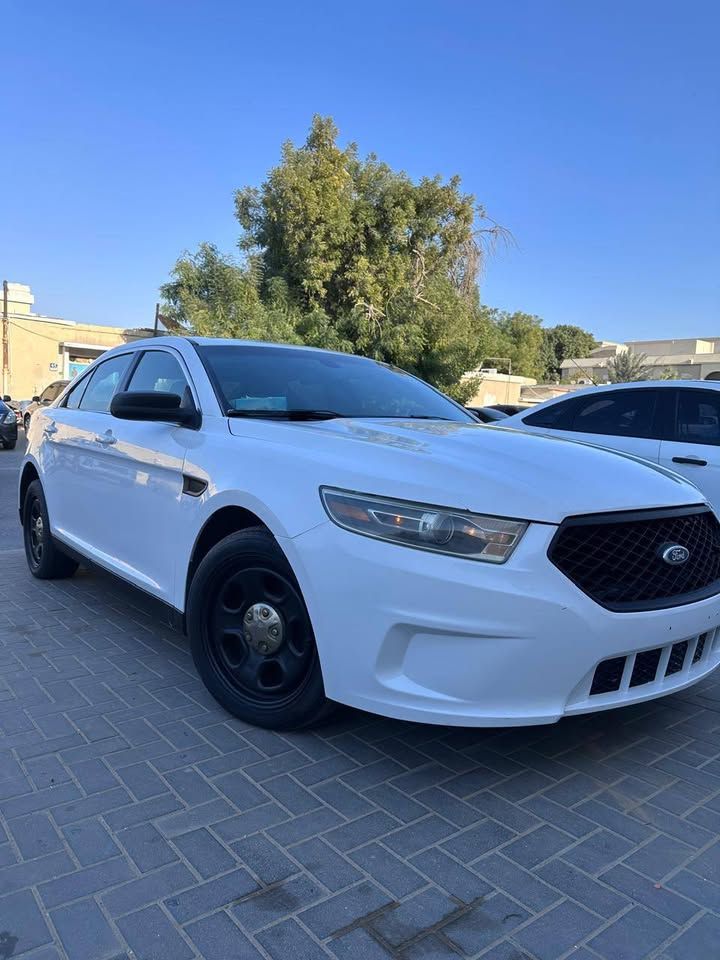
(591, 130)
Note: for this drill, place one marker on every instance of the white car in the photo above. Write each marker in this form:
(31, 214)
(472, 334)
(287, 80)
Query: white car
(675, 423)
(329, 528)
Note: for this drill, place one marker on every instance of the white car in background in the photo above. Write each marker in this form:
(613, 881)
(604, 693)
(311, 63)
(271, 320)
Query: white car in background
(674, 423)
(328, 527)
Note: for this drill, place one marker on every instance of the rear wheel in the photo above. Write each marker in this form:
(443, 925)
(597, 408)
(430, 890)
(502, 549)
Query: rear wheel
(251, 636)
(9, 444)
(44, 557)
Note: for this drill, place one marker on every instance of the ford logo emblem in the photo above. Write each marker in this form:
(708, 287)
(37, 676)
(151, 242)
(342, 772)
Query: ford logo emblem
(674, 554)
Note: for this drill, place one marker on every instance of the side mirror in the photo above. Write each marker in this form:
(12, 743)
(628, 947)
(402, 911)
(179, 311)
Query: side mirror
(36, 399)
(153, 406)
(7, 398)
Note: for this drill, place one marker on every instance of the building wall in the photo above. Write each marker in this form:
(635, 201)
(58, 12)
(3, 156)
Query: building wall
(498, 388)
(44, 349)
(670, 348)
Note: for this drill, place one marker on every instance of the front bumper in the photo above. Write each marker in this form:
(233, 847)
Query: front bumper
(420, 636)
(8, 432)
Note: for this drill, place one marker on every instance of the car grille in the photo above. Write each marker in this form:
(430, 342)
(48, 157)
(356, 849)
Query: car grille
(649, 666)
(617, 558)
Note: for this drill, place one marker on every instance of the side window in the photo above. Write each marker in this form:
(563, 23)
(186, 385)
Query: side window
(103, 384)
(72, 400)
(47, 396)
(618, 413)
(158, 371)
(698, 416)
(558, 416)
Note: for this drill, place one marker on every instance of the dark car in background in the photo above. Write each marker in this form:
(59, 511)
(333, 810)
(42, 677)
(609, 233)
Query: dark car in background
(487, 414)
(13, 406)
(50, 393)
(8, 426)
(509, 409)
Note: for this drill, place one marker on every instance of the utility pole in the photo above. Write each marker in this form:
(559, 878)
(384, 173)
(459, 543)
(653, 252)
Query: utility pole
(157, 319)
(5, 345)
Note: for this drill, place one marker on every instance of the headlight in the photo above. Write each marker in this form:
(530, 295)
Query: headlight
(468, 535)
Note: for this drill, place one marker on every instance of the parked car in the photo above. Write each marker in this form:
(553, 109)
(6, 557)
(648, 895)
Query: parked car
(8, 426)
(675, 423)
(49, 394)
(14, 406)
(511, 408)
(331, 528)
(487, 414)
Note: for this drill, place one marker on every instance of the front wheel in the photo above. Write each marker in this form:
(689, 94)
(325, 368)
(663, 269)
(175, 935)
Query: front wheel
(44, 558)
(251, 637)
(26, 422)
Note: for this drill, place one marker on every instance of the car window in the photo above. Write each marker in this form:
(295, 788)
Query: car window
(255, 379)
(47, 395)
(618, 413)
(698, 416)
(75, 395)
(160, 371)
(558, 415)
(103, 383)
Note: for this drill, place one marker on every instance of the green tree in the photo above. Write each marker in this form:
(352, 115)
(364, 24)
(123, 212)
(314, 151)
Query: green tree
(627, 367)
(346, 253)
(564, 342)
(517, 336)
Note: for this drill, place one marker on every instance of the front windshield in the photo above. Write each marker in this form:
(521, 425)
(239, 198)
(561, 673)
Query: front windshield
(256, 378)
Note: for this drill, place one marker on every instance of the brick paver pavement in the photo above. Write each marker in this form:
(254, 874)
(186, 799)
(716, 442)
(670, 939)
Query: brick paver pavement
(139, 820)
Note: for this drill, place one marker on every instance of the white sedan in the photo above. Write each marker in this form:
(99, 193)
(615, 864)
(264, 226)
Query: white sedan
(329, 528)
(675, 423)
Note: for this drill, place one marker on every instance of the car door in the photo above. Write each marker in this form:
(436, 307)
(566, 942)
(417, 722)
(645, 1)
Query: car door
(692, 444)
(73, 454)
(140, 484)
(622, 419)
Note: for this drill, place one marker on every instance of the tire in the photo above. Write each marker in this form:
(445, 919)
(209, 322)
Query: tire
(26, 422)
(9, 444)
(250, 634)
(44, 557)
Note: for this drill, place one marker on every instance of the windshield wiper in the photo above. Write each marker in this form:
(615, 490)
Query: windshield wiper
(285, 414)
(408, 416)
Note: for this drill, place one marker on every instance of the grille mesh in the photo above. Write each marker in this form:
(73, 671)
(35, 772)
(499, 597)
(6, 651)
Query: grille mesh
(608, 674)
(618, 562)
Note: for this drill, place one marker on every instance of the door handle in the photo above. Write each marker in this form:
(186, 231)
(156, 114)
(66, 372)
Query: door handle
(693, 461)
(106, 439)
(50, 429)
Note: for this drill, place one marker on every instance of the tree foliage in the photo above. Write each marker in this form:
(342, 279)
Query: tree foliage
(627, 367)
(564, 342)
(346, 253)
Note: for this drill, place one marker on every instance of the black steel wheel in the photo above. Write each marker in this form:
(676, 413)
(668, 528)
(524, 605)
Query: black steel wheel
(251, 636)
(44, 558)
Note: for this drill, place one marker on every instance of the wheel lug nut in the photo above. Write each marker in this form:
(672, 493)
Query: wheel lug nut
(264, 613)
(273, 631)
(249, 616)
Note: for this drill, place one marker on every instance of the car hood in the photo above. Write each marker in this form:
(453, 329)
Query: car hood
(471, 466)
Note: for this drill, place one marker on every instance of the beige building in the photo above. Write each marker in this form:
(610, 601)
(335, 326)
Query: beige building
(494, 387)
(43, 349)
(690, 359)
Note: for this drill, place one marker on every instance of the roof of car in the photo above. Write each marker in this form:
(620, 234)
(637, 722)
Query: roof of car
(174, 340)
(633, 385)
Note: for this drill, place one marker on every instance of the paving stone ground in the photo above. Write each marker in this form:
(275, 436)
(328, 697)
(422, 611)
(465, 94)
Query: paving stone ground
(138, 821)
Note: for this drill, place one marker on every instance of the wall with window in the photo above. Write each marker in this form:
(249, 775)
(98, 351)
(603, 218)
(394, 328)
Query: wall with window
(44, 349)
